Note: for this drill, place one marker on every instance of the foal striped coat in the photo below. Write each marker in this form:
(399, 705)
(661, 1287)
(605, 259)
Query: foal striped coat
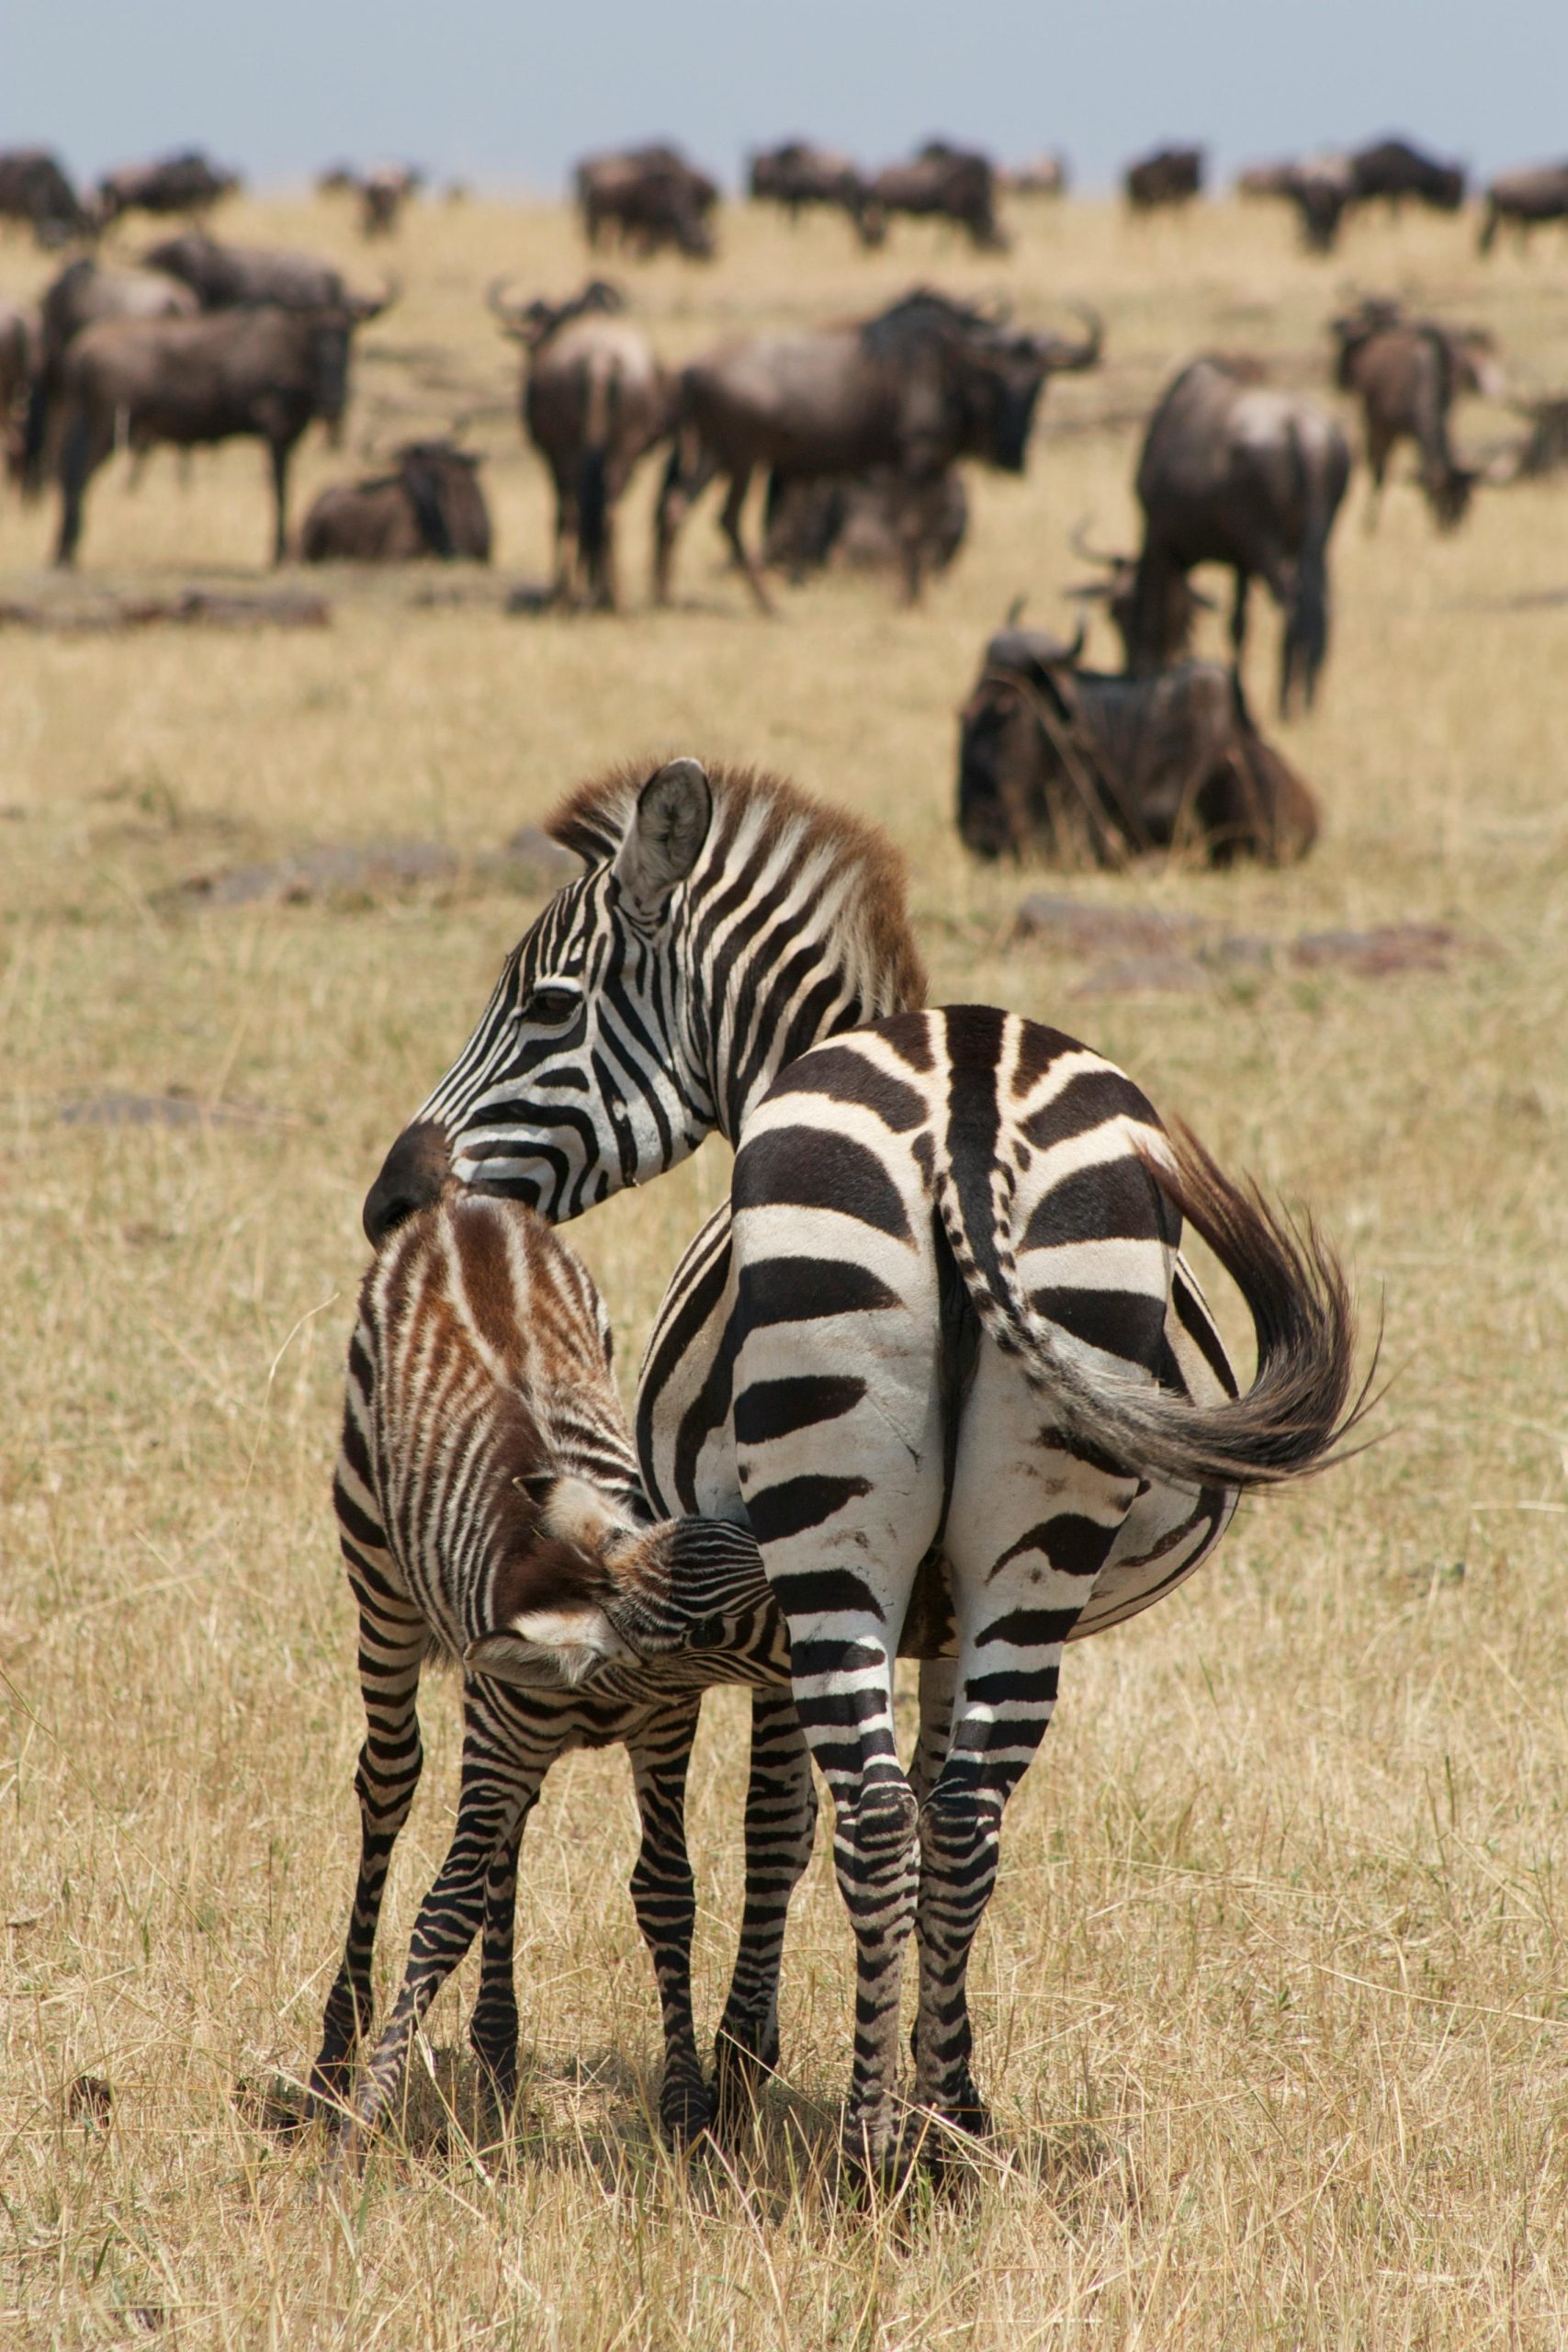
(940, 1349)
(492, 1516)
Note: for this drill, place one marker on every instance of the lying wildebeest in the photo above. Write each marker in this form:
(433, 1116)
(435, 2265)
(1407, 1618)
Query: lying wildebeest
(593, 401)
(1232, 473)
(1047, 175)
(189, 182)
(859, 522)
(1524, 200)
(18, 342)
(1067, 763)
(923, 385)
(1170, 176)
(649, 199)
(34, 187)
(1407, 374)
(1392, 169)
(941, 183)
(83, 294)
(232, 277)
(799, 177)
(261, 374)
(1321, 187)
(432, 506)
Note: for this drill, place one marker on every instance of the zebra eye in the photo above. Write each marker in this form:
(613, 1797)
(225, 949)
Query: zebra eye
(552, 1004)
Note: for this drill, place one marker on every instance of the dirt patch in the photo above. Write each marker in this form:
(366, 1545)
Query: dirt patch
(174, 1109)
(1143, 948)
(217, 608)
(362, 873)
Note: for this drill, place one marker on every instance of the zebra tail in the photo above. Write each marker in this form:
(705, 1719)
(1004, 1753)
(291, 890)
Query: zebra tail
(1296, 1414)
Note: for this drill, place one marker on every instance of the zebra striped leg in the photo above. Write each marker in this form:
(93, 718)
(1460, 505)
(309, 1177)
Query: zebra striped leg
(496, 1791)
(664, 1897)
(392, 1639)
(781, 1827)
(492, 2029)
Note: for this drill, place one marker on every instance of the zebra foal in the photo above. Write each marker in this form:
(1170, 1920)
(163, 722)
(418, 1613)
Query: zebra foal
(491, 1515)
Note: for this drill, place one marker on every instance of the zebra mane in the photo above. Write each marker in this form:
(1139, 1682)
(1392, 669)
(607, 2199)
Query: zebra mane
(593, 818)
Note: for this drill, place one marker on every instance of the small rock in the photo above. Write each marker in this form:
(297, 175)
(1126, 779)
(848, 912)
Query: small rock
(1389, 947)
(90, 2100)
(1144, 975)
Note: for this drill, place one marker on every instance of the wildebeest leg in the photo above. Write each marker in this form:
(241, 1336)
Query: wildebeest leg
(82, 452)
(1378, 447)
(686, 476)
(664, 1899)
(1238, 614)
(729, 524)
(281, 451)
(781, 1823)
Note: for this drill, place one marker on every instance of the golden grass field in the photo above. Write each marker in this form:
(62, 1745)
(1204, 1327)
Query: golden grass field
(1274, 1999)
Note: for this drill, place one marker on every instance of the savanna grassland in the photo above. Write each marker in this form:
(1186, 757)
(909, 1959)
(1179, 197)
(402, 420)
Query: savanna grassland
(1273, 1999)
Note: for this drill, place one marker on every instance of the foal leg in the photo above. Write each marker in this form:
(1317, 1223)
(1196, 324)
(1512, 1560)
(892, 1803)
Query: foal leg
(392, 1638)
(664, 1897)
(492, 2029)
(781, 1825)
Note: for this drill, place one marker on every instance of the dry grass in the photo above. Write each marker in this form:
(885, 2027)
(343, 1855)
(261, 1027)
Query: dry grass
(1272, 1999)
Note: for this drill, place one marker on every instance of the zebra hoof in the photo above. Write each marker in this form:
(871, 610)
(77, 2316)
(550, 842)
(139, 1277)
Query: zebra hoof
(686, 2111)
(498, 2072)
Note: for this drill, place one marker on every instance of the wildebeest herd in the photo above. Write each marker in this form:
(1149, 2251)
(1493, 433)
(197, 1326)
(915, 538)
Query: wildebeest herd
(936, 1380)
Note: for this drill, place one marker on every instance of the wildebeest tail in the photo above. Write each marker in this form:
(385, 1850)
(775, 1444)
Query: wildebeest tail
(34, 434)
(592, 465)
(424, 488)
(1298, 1408)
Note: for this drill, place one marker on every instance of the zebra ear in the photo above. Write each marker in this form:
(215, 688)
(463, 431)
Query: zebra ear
(674, 811)
(538, 1485)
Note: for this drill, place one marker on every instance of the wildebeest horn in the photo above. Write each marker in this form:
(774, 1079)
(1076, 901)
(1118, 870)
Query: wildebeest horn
(370, 306)
(1015, 611)
(507, 312)
(1080, 546)
(1063, 355)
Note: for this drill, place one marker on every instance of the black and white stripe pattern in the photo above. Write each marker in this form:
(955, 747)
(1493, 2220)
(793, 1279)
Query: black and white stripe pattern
(943, 1321)
(481, 1359)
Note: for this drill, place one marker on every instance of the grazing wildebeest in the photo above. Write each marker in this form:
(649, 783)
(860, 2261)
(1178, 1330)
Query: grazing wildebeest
(232, 277)
(20, 335)
(1047, 175)
(923, 385)
(82, 295)
(800, 176)
(261, 374)
(35, 189)
(432, 506)
(1524, 200)
(189, 182)
(1062, 762)
(1407, 373)
(1170, 176)
(1232, 472)
(649, 199)
(593, 401)
(1321, 187)
(857, 522)
(941, 183)
(1391, 169)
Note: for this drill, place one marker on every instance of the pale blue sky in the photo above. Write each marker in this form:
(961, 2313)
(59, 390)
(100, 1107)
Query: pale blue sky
(509, 95)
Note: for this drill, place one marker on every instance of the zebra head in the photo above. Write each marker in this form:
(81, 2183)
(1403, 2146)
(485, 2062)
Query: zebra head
(581, 1076)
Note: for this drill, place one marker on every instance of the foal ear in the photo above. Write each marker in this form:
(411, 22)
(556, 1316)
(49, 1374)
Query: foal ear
(538, 1485)
(673, 812)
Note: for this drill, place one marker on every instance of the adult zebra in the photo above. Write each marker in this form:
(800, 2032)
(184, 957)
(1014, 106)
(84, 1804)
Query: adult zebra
(1070, 1441)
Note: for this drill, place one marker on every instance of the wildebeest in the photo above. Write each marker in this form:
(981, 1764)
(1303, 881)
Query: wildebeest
(1407, 373)
(1391, 169)
(83, 294)
(1234, 473)
(1067, 763)
(432, 506)
(1545, 446)
(18, 342)
(260, 373)
(35, 187)
(229, 277)
(941, 183)
(382, 192)
(649, 198)
(1047, 175)
(1169, 175)
(915, 389)
(1321, 187)
(593, 401)
(188, 182)
(1523, 200)
(800, 176)
(857, 522)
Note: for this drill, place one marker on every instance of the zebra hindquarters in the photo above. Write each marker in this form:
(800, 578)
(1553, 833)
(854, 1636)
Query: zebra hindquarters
(1030, 1526)
(839, 1456)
